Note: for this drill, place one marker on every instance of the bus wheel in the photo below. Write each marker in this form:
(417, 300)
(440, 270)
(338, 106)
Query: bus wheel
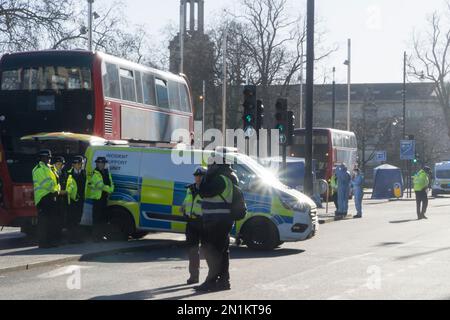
(139, 234)
(122, 224)
(260, 234)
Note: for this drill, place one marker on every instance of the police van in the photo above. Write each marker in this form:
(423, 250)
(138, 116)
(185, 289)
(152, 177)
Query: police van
(150, 186)
(441, 179)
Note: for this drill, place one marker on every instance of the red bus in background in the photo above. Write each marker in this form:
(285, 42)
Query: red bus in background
(83, 92)
(331, 147)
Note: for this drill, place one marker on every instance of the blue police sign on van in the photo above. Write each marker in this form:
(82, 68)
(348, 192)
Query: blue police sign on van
(407, 149)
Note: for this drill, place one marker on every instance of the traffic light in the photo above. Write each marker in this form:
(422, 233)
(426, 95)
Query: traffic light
(281, 119)
(290, 128)
(259, 114)
(250, 108)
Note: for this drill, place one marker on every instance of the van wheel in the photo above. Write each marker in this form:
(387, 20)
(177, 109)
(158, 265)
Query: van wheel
(122, 225)
(139, 235)
(260, 234)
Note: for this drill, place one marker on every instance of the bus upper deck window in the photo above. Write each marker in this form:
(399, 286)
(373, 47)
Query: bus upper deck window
(162, 93)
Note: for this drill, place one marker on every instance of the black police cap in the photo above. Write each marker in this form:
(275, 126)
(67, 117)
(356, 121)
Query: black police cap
(45, 153)
(77, 159)
(101, 160)
(60, 159)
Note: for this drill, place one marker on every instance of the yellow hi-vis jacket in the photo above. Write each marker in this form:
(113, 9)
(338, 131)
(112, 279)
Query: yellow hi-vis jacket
(219, 205)
(44, 182)
(71, 187)
(95, 186)
(192, 206)
(421, 181)
(333, 184)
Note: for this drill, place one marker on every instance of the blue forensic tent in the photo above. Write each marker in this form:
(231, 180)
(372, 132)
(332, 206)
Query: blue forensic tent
(385, 178)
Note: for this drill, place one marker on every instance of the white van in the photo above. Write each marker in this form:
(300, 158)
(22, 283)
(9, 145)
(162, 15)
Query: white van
(150, 188)
(441, 179)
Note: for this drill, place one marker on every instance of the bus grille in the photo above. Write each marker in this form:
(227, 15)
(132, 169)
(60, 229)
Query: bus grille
(108, 121)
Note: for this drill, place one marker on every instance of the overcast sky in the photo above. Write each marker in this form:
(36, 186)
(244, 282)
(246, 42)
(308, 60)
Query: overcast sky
(380, 29)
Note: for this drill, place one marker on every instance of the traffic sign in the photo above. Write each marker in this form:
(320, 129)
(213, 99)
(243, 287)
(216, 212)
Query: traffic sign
(381, 156)
(407, 149)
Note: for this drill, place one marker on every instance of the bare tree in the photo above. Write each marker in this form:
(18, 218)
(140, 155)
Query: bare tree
(24, 24)
(266, 46)
(431, 58)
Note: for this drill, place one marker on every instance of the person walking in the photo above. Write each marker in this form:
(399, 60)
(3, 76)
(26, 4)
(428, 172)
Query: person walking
(216, 191)
(358, 192)
(98, 188)
(421, 183)
(343, 179)
(46, 191)
(192, 209)
(76, 184)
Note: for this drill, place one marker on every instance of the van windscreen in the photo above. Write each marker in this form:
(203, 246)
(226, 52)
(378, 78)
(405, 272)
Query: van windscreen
(443, 174)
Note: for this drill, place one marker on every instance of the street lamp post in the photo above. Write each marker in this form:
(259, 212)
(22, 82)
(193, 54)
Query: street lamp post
(224, 87)
(203, 111)
(90, 24)
(182, 27)
(333, 111)
(309, 98)
(301, 87)
(348, 63)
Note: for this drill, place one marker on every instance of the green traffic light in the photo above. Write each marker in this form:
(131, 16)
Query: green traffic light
(415, 160)
(248, 118)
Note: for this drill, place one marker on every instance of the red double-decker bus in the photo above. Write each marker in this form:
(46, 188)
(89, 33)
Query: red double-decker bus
(331, 147)
(82, 92)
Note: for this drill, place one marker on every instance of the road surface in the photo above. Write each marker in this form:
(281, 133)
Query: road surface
(386, 255)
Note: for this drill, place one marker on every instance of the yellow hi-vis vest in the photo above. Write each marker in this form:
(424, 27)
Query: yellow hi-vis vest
(421, 181)
(95, 186)
(192, 205)
(44, 182)
(71, 188)
(333, 184)
(220, 204)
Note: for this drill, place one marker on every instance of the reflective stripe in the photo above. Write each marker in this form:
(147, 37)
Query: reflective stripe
(216, 211)
(216, 205)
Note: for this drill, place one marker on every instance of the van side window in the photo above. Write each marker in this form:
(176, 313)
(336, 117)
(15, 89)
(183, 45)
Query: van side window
(244, 175)
(162, 93)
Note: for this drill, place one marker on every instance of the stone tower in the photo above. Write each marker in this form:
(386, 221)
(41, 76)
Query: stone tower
(198, 50)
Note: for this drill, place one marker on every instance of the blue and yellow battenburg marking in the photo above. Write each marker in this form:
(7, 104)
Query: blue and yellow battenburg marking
(144, 197)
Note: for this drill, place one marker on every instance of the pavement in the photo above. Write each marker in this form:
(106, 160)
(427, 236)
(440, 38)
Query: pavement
(18, 253)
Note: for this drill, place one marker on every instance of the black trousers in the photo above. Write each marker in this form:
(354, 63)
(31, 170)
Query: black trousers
(100, 217)
(73, 219)
(216, 243)
(193, 241)
(422, 203)
(48, 224)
